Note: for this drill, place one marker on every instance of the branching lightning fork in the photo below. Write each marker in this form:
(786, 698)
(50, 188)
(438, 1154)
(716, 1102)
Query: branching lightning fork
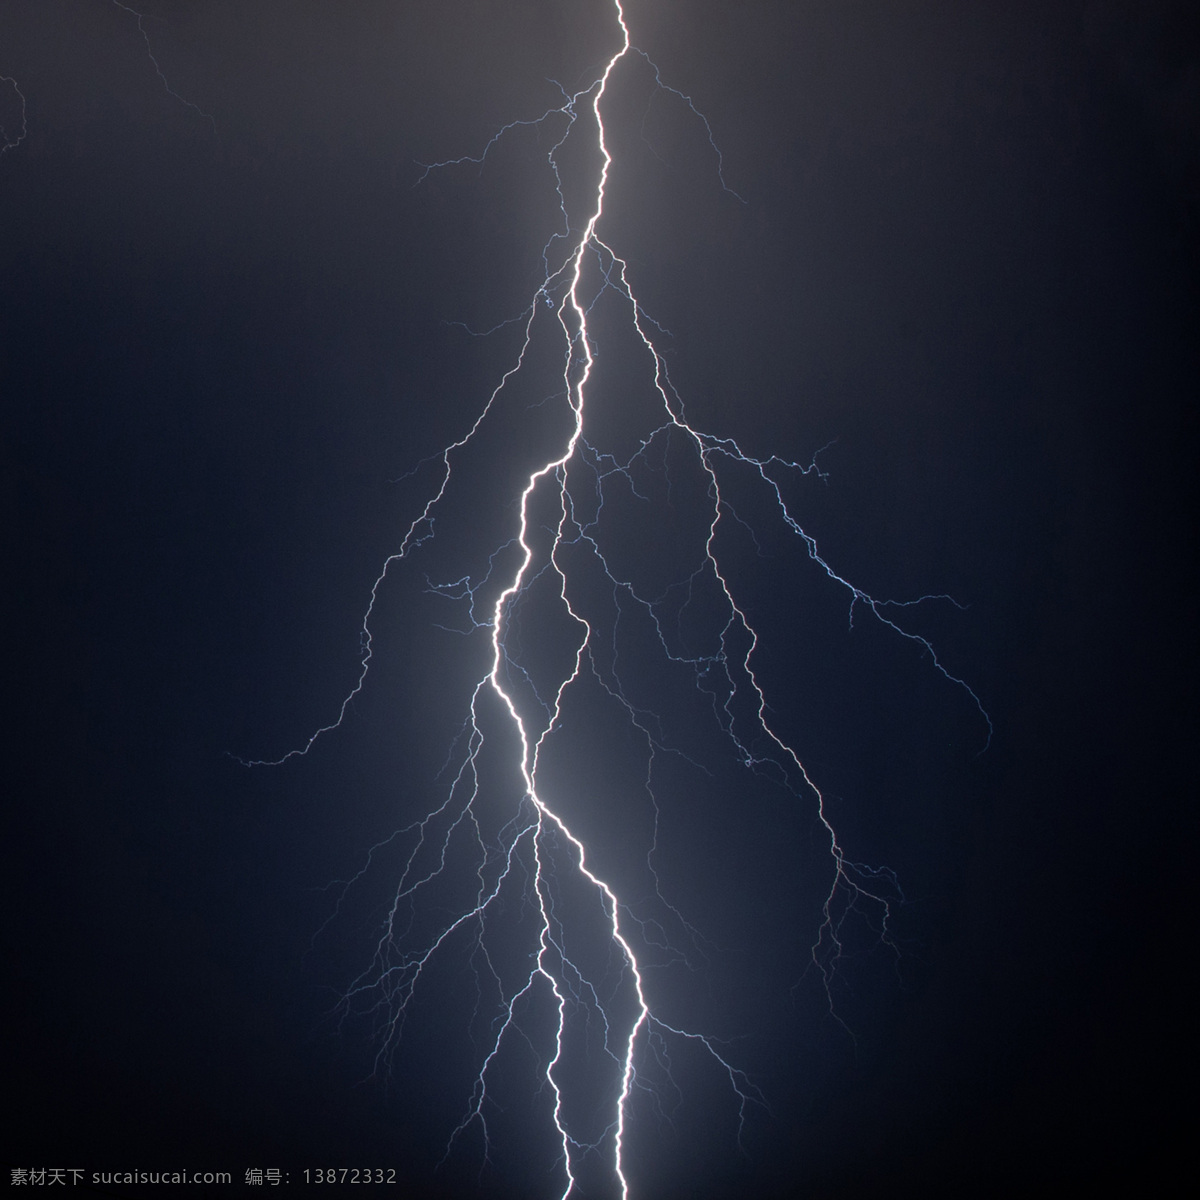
(603, 1005)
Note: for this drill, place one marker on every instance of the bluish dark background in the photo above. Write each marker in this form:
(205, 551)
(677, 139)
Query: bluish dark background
(968, 253)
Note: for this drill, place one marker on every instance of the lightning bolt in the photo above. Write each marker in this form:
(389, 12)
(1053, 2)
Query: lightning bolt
(141, 24)
(9, 141)
(544, 926)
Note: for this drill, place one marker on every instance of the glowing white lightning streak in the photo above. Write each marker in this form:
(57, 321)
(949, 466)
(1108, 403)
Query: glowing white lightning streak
(525, 847)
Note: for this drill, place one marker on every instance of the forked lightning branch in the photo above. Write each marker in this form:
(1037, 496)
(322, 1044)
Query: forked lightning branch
(561, 963)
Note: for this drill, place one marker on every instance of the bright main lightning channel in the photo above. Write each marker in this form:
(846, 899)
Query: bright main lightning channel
(600, 1007)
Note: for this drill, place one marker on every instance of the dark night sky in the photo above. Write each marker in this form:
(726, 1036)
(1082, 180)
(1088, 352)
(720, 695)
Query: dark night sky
(969, 254)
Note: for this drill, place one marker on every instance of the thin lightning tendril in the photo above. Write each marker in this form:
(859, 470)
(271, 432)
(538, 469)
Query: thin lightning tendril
(141, 24)
(537, 855)
(8, 142)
